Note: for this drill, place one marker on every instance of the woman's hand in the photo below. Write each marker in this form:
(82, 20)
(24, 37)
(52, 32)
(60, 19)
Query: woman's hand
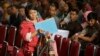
(34, 33)
(40, 31)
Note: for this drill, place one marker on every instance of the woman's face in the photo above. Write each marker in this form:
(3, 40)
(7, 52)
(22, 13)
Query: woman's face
(32, 14)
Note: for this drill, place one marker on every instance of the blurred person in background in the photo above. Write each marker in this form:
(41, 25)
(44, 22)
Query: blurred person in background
(6, 15)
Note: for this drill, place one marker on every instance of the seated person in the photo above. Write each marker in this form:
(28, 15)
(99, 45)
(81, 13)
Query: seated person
(73, 26)
(91, 33)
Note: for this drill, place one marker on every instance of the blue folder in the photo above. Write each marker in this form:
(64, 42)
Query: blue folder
(48, 25)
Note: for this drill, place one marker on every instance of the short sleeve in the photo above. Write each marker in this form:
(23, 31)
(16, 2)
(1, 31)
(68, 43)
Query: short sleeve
(95, 33)
(84, 31)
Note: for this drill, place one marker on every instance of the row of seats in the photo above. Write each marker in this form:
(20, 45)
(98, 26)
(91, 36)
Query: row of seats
(8, 43)
(66, 47)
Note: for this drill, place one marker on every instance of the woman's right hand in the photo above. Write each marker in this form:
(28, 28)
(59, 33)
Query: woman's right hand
(40, 31)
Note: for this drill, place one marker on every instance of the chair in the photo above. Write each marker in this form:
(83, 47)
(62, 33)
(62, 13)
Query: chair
(11, 39)
(89, 51)
(3, 30)
(15, 51)
(65, 47)
(58, 42)
(18, 41)
(98, 51)
(3, 50)
(74, 49)
(17, 45)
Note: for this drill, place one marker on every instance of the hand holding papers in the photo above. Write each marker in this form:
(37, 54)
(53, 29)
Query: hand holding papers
(48, 25)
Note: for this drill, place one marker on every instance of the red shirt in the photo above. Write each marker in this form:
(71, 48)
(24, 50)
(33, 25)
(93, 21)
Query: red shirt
(26, 27)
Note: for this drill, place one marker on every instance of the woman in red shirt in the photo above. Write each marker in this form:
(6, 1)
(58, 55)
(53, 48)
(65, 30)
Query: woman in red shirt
(28, 32)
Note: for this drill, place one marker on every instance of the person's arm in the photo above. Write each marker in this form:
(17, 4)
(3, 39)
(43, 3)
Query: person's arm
(26, 33)
(76, 36)
(88, 39)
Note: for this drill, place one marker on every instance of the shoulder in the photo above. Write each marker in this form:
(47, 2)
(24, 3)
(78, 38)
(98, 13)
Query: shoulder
(26, 23)
(40, 19)
(97, 26)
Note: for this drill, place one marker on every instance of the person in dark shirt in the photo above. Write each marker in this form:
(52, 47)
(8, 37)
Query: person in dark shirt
(17, 15)
(13, 15)
(73, 26)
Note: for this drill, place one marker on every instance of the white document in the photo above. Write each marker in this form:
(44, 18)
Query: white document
(63, 33)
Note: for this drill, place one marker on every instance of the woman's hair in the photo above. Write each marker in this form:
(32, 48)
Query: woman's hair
(92, 15)
(28, 8)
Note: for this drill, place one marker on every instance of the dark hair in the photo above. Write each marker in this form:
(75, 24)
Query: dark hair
(19, 7)
(75, 10)
(13, 5)
(28, 8)
(92, 15)
(53, 5)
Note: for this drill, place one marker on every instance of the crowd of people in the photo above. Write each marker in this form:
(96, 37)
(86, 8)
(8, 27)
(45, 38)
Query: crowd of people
(80, 17)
